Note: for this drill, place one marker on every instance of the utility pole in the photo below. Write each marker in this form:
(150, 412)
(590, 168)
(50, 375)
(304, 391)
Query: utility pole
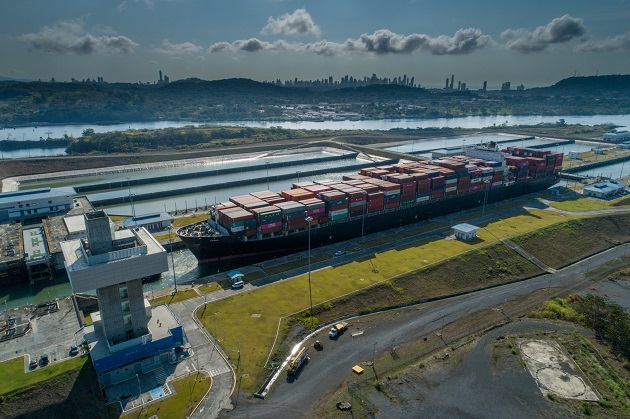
(310, 293)
(170, 229)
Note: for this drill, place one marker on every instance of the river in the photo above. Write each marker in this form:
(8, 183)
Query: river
(59, 131)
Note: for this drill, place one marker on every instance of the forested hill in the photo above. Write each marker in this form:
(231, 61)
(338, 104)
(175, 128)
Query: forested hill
(617, 84)
(244, 99)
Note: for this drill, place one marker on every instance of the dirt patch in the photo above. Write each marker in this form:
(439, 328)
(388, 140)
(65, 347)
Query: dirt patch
(554, 371)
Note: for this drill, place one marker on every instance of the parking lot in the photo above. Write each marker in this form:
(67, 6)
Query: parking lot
(52, 334)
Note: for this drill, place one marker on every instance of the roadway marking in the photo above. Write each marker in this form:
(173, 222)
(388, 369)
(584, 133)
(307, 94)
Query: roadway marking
(218, 371)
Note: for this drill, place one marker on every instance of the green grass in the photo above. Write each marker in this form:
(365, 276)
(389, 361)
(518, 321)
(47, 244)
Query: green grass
(174, 298)
(558, 308)
(14, 378)
(583, 204)
(210, 288)
(188, 393)
(256, 334)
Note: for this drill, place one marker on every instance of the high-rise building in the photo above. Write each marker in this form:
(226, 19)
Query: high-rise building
(452, 80)
(485, 86)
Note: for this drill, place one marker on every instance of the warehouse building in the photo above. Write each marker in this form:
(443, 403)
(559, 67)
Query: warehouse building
(34, 203)
(465, 231)
(604, 189)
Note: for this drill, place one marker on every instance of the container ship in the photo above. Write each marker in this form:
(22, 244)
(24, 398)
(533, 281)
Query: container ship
(263, 225)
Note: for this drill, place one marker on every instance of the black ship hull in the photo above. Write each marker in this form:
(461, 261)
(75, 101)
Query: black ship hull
(226, 252)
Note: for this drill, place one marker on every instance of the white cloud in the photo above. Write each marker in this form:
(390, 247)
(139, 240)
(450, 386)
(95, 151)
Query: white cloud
(168, 48)
(66, 37)
(618, 43)
(383, 41)
(559, 30)
(299, 22)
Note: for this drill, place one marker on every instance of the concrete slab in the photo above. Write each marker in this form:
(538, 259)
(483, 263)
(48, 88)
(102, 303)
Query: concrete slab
(554, 371)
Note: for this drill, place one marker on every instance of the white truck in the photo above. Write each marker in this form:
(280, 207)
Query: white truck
(337, 329)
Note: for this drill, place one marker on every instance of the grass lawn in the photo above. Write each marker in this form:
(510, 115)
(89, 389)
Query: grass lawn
(189, 219)
(14, 378)
(188, 393)
(590, 204)
(253, 317)
(174, 298)
(210, 288)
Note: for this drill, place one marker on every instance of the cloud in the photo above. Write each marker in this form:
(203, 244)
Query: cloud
(383, 41)
(66, 37)
(618, 43)
(297, 23)
(559, 30)
(168, 48)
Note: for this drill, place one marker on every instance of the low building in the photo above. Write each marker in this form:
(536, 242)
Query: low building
(35, 203)
(604, 189)
(465, 231)
(615, 137)
(152, 222)
(12, 269)
(36, 255)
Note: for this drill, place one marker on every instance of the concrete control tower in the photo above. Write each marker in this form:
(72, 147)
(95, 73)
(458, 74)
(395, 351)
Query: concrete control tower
(127, 332)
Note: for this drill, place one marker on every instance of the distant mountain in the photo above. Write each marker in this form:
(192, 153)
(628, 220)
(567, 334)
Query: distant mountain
(616, 84)
(3, 78)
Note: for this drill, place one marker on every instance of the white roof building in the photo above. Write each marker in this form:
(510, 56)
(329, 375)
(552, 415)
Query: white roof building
(35, 203)
(465, 231)
(604, 189)
(617, 136)
(156, 221)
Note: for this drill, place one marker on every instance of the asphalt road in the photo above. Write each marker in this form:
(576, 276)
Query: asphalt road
(327, 369)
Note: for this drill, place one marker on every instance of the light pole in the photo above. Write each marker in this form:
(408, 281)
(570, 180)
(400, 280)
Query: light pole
(363, 219)
(267, 166)
(133, 210)
(485, 199)
(298, 176)
(310, 293)
(170, 241)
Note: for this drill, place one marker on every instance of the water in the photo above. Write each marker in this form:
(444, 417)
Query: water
(32, 152)
(21, 294)
(59, 131)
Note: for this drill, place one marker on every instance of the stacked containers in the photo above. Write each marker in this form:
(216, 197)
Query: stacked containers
(297, 194)
(463, 182)
(237, 221)
(437, 186)
(336, 203)
(407, 187)
(293, 215)
(358, 201)
(423, 186)
(558, 165)
(269, 219)
(316, 209)
(268, 196)
(391, 194)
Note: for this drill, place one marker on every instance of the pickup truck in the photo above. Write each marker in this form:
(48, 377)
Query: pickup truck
(338, 329)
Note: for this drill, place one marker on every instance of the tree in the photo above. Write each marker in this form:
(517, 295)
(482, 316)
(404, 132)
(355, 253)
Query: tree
(87, 132)
(609, 320)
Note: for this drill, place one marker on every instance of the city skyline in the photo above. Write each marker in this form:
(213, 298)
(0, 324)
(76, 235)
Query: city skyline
(131, 40)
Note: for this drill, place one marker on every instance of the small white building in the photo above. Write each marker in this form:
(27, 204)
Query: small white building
(152, 222)
(35, 203)
(604, 189)
(465, 231)
(615, 137)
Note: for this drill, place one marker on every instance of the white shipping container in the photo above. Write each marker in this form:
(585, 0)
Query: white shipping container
(338, 212)
(449, 181)
(237, 229)
(450, 189)
(423, 198)
(392, 192)
(497, 184)
(476, 180)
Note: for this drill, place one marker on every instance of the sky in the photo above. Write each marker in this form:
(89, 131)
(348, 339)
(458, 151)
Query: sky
(535, 43)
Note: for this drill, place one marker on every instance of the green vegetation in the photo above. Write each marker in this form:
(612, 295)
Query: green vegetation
(558, 308)
(258, 312)
(174, 297)
(14, 378)
(210, 288)
(575, 239)
(581, 204)
(188, 393)
(609, 320)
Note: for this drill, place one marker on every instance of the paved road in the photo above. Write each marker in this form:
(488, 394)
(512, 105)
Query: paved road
(328, 369)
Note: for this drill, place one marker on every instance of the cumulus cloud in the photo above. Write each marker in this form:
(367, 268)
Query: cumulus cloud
(66, 37)
(618, 43)
(299, 22)
(383, 41)
(168, 48)
(559, 30)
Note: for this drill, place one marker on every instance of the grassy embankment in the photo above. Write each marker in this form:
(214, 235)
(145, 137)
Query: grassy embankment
(189, 391)
(62, 389)
(567, 242)
(581, 204)
(252, 318)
